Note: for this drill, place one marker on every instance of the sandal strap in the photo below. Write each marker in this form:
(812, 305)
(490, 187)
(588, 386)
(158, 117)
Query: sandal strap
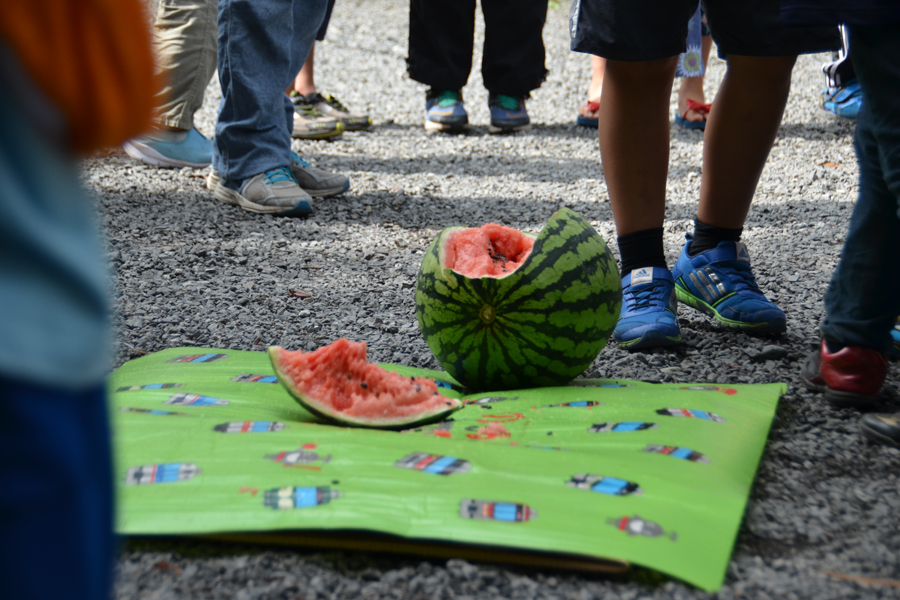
(700, 107)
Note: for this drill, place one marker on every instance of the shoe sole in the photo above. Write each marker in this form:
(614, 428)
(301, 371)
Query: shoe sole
(771, 327)
(212, 181)
(876, 436)
(650, 339)
(150, 156)
(229, 196)
(446, 127)
(497, 129)
(316, 135)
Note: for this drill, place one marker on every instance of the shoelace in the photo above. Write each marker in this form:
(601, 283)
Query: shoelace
(310, 112)
(277, 175)
(649, 295)
(506, 102)
(299, 161)
(334, 103)
(448, 98)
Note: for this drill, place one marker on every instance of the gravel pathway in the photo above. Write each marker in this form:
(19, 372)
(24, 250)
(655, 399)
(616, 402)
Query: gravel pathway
(193, 271)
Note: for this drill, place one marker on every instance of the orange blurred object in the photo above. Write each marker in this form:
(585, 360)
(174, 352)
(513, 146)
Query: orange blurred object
(92, 58)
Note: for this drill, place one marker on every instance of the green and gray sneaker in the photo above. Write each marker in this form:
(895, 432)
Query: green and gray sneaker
(330, 106)
(311, 124)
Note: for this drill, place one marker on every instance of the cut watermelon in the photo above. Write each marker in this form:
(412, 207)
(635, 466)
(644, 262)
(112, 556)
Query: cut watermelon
(488, 251)
(336, 384)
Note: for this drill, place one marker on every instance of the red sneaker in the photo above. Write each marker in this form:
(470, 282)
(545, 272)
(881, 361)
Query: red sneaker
(849, 377)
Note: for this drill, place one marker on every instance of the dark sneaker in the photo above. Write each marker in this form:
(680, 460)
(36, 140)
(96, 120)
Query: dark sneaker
(648, 318)
(317, 182)
(508, 114)
(444, 111)
(881, 429)
(894, 350)
(274, 192)
(330, 106)
(168, 149)
(720, 283)
(849, 377)
(310, 124)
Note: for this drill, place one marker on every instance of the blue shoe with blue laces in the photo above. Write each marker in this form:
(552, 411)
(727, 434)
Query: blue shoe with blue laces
(649, 317)
(508, 114)
(444, 111)
(845, 102)
(720, 283)
(171, 149)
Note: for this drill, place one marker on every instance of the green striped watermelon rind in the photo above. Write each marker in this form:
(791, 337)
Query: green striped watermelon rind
(329, 415)
(543, 324)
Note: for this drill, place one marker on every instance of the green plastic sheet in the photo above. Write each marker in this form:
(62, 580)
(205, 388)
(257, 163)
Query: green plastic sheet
(207, 442)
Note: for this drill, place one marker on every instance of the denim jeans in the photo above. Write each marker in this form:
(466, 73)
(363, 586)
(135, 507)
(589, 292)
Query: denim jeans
(863, 298)
(262, 45)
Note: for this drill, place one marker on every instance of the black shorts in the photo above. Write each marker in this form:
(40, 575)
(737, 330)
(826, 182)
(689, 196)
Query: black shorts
(642, 30)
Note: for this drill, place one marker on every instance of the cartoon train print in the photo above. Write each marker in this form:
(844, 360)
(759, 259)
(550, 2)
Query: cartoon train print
(691, 414)
(250, 427)
(612, 486)
(710, 388)
(151, 411)
(149, 386)
(637, 526)
(575, 404)
(678, 452)
(441, 429)
(449, 386)
(491, 399)
(435, 464)
(621, 427)
(198, 358)
(488, 510)
(300, 456)
(291, 497)
(183, 399)
(251, 378)
(161, 473)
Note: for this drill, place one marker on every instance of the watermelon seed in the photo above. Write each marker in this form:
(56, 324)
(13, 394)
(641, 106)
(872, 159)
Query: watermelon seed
(418, 388)
(363, 385)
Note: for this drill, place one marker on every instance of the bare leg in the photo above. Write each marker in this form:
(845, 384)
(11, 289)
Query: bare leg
(305, 82)
(739, 136)
(692, 87)
(598, 69)
(634, 140)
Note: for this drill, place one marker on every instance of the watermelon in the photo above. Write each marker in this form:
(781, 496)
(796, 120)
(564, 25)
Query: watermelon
(336, 384)
(502, 310)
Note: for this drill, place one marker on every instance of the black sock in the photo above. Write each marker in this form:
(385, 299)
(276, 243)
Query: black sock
(642, 249)
(707, 237)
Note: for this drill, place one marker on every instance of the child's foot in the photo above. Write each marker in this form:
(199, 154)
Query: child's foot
(649, 314)
(881, 429)
(850, 376)
(692, 107)
(445, 111)
(588, 113)
(508, 114)
(330, 106)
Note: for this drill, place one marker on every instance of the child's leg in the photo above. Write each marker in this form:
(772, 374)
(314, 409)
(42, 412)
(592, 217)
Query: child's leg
(739, 136)
(634, 140)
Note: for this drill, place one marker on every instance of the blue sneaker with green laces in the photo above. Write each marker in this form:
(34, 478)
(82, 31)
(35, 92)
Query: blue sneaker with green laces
(444, 111)
(720, 283)
(649, 317)
(508, 114)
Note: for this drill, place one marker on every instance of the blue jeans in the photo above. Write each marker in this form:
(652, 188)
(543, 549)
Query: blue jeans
(56, 496)
(863, 298)
(262, 45)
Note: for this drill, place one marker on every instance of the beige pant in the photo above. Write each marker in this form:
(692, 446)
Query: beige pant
(185, 32)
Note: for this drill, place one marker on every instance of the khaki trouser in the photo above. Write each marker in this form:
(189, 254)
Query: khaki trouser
(185, 33)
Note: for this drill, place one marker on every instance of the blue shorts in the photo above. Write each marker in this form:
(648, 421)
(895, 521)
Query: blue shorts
(56, 498)
(644, 30)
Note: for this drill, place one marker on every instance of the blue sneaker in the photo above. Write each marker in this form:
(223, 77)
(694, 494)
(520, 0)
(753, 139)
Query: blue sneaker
(508, 114)
(192, 150)
(649, 317)
(444, 111)
(845, 102)
(719, 282)
(894, 350)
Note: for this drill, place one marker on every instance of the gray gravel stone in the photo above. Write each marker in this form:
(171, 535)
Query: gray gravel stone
(192, 271)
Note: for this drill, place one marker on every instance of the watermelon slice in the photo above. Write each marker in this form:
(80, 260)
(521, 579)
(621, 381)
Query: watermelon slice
(338, 385)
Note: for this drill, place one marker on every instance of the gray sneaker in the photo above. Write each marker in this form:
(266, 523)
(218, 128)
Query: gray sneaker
(274, 192)
(316, 182)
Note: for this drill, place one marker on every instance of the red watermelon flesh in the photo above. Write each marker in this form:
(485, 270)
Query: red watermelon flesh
(337, 383)
(491, 250)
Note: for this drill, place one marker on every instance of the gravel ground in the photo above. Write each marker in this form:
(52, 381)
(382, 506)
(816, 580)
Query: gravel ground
(193, 271)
